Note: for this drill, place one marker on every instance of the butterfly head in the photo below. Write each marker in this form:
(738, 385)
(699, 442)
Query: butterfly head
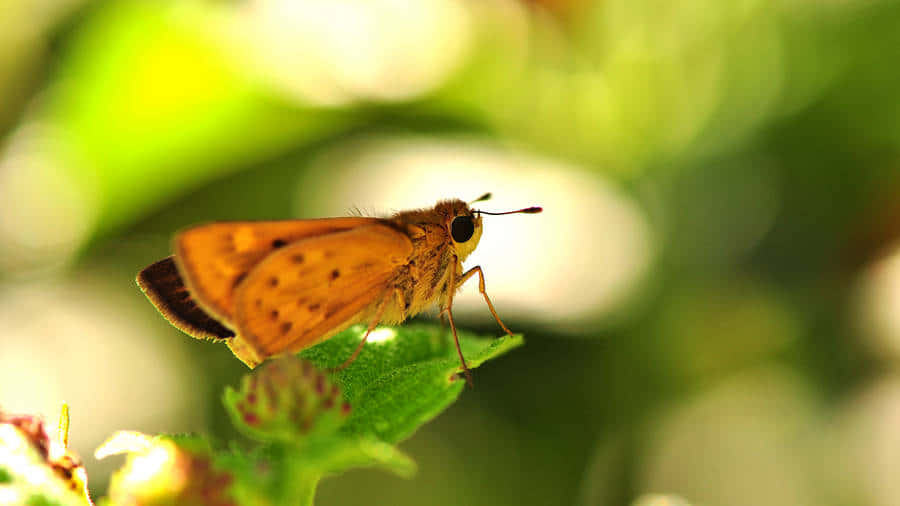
(463, 226)
(464, 223)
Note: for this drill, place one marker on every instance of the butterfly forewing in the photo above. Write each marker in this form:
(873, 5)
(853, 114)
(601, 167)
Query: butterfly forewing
(213, 259)
(307, 290)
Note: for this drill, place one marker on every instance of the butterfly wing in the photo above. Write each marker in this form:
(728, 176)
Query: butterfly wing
(162, 284)
(309, 290)
(214, 258)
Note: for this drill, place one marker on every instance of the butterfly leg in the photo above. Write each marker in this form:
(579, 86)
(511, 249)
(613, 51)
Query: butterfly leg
(372, 324)
(465, 277)
(449, 311)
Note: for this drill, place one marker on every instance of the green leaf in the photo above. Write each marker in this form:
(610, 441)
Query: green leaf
(404, 376)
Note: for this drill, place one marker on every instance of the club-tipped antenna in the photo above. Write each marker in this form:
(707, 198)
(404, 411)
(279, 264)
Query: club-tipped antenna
(527, 210)
(486, 196)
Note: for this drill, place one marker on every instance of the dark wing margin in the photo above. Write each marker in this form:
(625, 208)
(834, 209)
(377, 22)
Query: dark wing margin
(162, 284)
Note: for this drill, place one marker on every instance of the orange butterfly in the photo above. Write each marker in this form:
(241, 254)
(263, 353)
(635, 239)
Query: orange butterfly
(274, 287)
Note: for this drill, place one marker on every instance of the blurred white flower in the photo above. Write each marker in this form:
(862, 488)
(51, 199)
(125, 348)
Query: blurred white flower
(333, 52)
(47, 208)
(877, 305)
(750, 440)
(865, 451)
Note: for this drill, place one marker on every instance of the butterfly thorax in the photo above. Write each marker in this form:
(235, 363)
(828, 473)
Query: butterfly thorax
(426, 279)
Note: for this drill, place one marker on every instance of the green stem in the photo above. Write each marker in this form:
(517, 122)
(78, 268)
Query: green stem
(299, 479)
(303, 489)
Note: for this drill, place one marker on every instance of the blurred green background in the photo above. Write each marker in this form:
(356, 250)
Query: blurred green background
(711, 299)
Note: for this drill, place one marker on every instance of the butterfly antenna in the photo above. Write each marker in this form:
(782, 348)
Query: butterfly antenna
(527, 210)
(486, 196)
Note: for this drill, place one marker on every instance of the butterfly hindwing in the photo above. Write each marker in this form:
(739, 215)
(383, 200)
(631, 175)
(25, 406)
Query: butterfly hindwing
(164, 287)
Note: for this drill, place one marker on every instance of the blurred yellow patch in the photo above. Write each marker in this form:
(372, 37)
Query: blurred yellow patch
(37, 468)
(161, 471)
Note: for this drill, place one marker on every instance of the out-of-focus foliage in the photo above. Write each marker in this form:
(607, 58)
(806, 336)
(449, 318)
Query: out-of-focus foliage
(711, 294)
(295, 410)
(289, 405)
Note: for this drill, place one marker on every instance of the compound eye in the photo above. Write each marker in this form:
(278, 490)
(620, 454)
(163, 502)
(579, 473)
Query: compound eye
(462, 229)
